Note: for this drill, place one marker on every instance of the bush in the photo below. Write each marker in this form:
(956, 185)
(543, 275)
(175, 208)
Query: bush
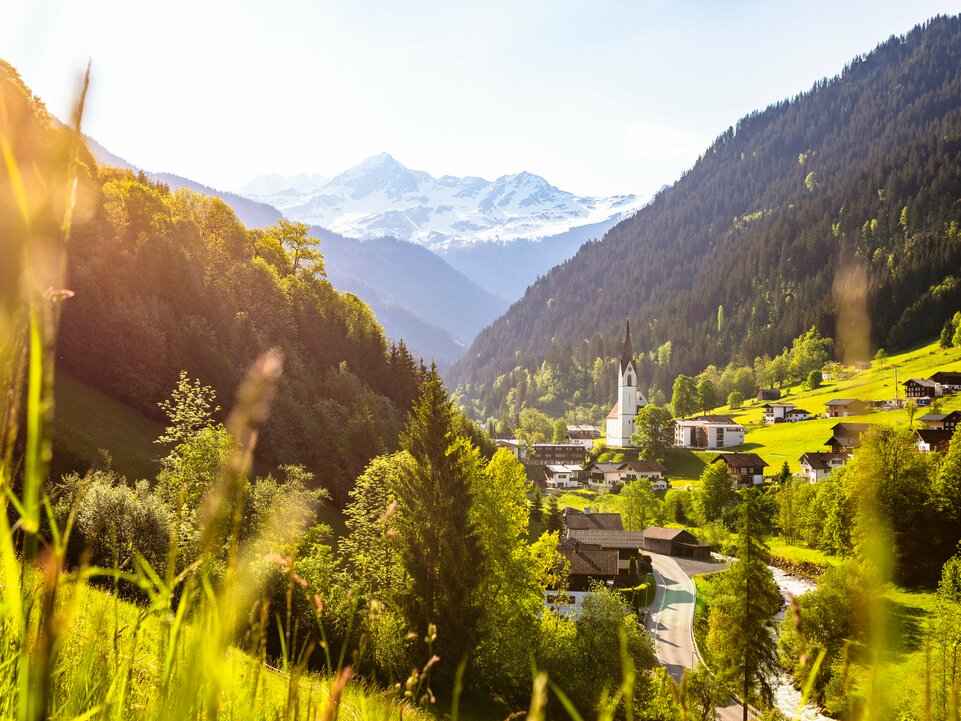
(115, 522)
(735, 400)
(814, 379)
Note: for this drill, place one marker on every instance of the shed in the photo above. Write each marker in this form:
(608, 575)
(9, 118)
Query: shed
(768, 394)
(675, 542)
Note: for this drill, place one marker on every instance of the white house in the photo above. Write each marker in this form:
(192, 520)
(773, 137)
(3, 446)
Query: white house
(710, 432)
(817, 466)
(784, 413)
(583, 434)
(514, 446)
(562, 476)
(620, 421)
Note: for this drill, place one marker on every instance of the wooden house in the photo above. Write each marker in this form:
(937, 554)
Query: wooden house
(933, 440)
(846, 437)
(746, 469)
(817, 466)
(950, 380)
(675, 542)
(922, 388)
(843, 407)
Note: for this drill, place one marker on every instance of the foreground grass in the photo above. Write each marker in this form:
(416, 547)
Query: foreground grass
(112, 658)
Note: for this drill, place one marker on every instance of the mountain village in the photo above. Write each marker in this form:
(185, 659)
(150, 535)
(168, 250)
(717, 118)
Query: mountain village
(590, 462)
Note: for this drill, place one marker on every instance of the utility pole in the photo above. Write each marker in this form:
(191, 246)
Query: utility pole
(897, 397)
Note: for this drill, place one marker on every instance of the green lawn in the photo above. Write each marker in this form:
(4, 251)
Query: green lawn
(801, 554)
(684, 466)
(788, 441)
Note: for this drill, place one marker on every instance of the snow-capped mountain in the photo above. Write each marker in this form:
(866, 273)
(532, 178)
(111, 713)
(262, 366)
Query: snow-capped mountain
(271, 184)
(381, 197)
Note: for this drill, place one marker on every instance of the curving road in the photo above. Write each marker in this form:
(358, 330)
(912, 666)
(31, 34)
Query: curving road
(671, 621)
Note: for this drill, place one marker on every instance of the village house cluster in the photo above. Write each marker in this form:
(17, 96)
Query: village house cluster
(569, 466)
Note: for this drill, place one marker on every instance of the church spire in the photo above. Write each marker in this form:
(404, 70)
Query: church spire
(628, 355)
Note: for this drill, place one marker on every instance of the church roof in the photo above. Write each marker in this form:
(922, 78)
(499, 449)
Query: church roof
(627, 355)
(614, 411)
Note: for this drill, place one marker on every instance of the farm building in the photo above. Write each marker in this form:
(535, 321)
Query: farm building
(675, 542)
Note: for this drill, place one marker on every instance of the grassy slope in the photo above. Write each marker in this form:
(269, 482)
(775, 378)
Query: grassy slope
(99, 643)
(787, 441)
(87, 421)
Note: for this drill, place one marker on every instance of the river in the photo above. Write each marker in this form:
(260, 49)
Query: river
(787, 699)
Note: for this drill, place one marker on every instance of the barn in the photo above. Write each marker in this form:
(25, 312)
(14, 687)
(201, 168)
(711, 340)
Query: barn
(675, 542)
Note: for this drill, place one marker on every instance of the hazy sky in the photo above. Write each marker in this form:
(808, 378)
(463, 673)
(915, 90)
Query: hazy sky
(597, 96)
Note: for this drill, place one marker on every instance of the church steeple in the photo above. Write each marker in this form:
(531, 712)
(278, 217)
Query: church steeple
(627, 355)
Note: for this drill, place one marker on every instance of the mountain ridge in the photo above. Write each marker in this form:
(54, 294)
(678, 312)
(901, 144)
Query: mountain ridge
(381, 196)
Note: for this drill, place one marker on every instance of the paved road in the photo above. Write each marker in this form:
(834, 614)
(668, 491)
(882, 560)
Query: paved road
(672, 622)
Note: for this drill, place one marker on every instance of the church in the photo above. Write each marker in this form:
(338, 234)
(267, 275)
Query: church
(620, 421)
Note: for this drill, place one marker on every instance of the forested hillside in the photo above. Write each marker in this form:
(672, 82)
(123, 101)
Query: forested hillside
(858, 178)
(163, 282)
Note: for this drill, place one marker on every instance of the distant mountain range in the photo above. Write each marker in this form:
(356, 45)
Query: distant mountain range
(381, 197)
(437, 259)
(415, 294)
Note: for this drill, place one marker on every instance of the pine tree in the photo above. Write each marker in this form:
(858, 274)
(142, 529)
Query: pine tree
(743, 613)
(537, 504)
(947, 333)
(437, 542)
(554, 521)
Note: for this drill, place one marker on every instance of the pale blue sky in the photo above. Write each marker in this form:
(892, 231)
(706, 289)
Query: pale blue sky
(599, 97)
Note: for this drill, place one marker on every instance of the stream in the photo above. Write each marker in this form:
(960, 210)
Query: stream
(786, 697)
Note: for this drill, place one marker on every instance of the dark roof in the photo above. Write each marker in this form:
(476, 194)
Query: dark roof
(936, 438)
(952, 377)
(741, 460)
(717, 419)
(842, 402)
(572, 447)
(820, 461)
(646, 467)
(933, 417)
(608, 539)
(667, 534)
(850, 427)
(606, 467)
(921, 382)
(591, 561)
(626, 355)
(594, 521)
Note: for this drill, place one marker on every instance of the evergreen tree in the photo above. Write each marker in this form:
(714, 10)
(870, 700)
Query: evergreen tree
(947, 334)
(554, 521)
(784, 475)
(743, 612)
(537, 504)
(437, 541)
